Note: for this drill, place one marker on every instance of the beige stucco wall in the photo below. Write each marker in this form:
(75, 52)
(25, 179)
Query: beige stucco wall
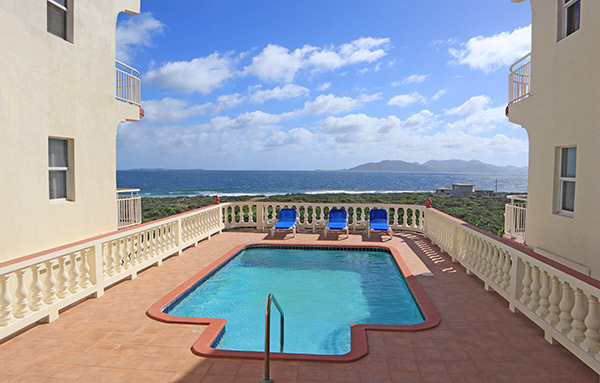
(564, 110)
(52, 87)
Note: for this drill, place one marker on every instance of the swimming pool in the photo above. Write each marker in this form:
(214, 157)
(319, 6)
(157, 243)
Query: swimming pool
(329, 295)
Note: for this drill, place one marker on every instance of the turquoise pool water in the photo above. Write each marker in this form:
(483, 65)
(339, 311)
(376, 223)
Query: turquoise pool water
(321, 291)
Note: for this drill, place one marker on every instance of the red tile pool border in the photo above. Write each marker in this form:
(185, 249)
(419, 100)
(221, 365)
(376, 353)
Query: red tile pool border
(358, 332)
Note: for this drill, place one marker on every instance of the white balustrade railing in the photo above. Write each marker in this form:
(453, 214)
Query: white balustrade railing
(262, 215)
(129, 207)
(514, 220)
(519, 79)
(128, 84)
(36, 287)
(563, 302)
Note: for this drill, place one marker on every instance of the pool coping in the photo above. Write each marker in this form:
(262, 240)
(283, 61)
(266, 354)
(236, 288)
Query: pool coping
(358, 332)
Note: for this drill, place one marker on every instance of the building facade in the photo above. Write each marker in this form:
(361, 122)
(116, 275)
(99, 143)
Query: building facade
(555, 95)
(58, 121)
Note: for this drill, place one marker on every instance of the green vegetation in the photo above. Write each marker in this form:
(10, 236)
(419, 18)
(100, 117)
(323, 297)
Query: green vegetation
(481, 211)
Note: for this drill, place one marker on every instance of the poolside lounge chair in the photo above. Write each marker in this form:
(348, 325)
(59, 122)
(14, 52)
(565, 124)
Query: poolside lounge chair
(378, 221)
(287, 221)
(338, 220)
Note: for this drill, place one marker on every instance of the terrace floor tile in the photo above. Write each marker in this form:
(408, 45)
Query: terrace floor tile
(111, 339)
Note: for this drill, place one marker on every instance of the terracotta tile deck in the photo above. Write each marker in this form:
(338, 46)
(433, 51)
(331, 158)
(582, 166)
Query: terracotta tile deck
(112, 340)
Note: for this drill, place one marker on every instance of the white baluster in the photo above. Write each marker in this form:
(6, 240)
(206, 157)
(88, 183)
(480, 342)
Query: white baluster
(542, 311)
(73, 274)
(63, 277)
(120, 256)
(565, 306)
(50, 282)
(104, 256)
(6, 314)
(84, 280)
(506, 271)
(36, 288)
(526, 296)
(494, 263)
(113, 264)
(592, 322)
(22, 303)
(130, 248)
(534, 303)
(579, 312)
(554, 300)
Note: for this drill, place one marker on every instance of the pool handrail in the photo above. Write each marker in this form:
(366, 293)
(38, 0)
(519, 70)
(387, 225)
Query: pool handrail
(271, 298)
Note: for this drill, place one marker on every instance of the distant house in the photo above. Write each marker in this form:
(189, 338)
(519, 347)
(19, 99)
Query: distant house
(443, 190)
(483, 192)
(462, 190)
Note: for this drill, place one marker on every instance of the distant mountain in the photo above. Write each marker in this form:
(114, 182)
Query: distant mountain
(391, 166)
(437, 166)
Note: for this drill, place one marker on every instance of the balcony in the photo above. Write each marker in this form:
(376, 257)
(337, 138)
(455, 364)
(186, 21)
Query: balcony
(128, 84)
(469, 275)
(129, 207)
(514, 218)
(519, 79)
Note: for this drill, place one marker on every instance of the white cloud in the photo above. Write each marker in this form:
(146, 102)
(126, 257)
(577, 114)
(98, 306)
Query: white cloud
(403, 100)
(294, 138)
(227, 101)
(359, 128)
(172, 110)
(493, 52)
(257, 120)
(480, 116)
(278, 64)
(414, 79)
(418, 120)
(324, 86)
(473, 105)
(135, 32)
(288, 91)
(438, 95)
(202, 74)
(331, 104)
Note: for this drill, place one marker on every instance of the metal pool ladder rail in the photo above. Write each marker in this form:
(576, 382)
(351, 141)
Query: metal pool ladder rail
(271, 298)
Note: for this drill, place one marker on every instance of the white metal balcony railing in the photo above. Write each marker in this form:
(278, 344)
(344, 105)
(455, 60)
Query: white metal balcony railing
(519, 79)
(514, 217)
(129, 206)
(128, 84)
(561, 301)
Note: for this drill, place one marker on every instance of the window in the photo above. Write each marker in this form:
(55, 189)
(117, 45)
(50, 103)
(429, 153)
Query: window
(59, 18)
(568, 17)
(566, 187)
(60, 169)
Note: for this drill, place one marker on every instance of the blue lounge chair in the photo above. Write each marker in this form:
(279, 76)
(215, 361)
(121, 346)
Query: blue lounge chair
(338, 220)
(287, 221)
(378, 221)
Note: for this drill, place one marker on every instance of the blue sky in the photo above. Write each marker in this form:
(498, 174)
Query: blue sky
(321, 84)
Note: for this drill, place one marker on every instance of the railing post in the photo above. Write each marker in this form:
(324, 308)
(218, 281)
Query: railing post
(260, 216)
(178, 241)
(97, 273)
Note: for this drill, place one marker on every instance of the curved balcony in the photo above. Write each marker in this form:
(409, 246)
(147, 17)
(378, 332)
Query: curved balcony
(129, 206)
(128, 84)
(519, 79)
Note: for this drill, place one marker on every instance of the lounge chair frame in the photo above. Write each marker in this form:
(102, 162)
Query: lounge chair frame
(369, 228)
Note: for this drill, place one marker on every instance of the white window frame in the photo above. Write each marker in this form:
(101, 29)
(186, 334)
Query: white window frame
(563, 9)
(562, 180)
(69, 18)
(70, 191)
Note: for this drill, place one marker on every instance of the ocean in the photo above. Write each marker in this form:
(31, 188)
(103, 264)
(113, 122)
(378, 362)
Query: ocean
(173, 183)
